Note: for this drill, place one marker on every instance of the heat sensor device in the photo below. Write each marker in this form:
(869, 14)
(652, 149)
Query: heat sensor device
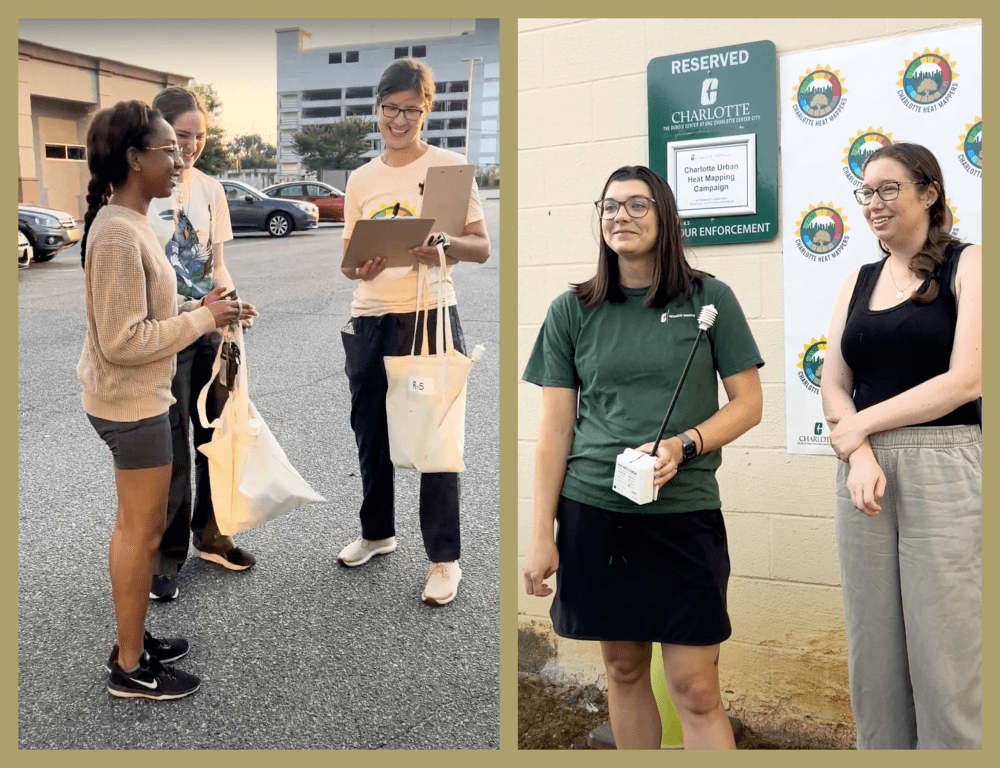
(634, 469)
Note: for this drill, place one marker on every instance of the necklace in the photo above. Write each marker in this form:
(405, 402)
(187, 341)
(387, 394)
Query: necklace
(900, 292)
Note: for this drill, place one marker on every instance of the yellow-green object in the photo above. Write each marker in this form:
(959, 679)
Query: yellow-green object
(670, 722)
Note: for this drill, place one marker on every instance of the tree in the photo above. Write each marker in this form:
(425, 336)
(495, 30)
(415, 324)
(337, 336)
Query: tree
(216, 157)
(337, 145)
(251, 151)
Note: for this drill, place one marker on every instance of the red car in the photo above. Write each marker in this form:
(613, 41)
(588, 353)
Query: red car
(329, 200)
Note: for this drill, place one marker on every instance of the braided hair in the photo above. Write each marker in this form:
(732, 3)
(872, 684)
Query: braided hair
(112, 131)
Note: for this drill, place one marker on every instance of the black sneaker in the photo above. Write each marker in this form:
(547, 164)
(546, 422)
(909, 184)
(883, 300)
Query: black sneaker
(163, 588)
(235, 559)
(152, 680)
(166, 650)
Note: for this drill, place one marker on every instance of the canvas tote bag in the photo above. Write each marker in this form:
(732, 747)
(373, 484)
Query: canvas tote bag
(425, 403)
(251, 478)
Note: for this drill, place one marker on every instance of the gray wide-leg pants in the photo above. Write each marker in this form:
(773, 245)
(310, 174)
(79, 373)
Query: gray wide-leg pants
(912, 590)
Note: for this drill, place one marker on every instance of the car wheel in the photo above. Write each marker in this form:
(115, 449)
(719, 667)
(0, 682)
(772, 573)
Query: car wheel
(279, 224)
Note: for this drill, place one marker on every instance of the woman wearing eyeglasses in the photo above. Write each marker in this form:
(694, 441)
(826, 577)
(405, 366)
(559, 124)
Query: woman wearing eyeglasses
(901, 382)
(608, 358)
(133, 333)
(383, 316)
(193, 224)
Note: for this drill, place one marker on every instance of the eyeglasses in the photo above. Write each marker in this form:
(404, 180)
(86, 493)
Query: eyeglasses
(410, 114)
(887, 190)
(170, 149)
(636, 207)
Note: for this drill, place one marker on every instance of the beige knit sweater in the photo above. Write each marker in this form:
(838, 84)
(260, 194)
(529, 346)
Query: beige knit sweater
(133, 329)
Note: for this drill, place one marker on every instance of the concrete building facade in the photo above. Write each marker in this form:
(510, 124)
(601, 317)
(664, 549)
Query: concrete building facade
(57, 92)
(581, 114)
(321, 86)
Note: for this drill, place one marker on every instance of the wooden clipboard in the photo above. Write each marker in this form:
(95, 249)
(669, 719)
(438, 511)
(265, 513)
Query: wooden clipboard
(447, 189)
(387, 237)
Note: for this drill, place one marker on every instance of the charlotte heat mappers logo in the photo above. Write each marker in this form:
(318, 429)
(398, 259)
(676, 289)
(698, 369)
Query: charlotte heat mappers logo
(405, 209)
(811, 364)
(822, 232)
(951, 221)
(819, 97)
(971, 148)
(928, 81)
(862, 145)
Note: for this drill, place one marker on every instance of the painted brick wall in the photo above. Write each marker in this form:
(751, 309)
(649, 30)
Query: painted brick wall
(581, 114)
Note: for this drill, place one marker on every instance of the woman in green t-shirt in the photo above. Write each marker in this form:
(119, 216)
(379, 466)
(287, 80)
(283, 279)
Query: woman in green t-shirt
(608, 359)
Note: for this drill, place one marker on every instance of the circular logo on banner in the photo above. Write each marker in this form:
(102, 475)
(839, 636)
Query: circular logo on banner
(862, 145)
(405, 209)
(811, 364)
(972, 146)
(822, 232)
(819, 95)
(928, 77)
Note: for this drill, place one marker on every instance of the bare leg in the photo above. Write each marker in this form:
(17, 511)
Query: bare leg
(142, 510)
(635, 720)
(692, 674)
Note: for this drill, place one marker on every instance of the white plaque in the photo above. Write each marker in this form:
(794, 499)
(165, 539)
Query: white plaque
(714, 177)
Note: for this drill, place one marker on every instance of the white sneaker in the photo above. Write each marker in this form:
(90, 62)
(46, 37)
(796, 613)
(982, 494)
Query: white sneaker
(442, 583)
(360, 551)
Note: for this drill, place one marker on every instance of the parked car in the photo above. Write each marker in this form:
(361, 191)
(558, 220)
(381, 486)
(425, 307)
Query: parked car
(329, 200)
(249, 209)
(24, 250)
(48, 230)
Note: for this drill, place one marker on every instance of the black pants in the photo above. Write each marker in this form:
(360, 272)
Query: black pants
(194, 368)
(371, 340)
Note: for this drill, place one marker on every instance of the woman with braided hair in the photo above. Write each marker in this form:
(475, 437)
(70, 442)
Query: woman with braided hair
(133, 334)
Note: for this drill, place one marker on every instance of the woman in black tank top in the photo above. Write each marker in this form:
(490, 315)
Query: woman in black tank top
(901, 381)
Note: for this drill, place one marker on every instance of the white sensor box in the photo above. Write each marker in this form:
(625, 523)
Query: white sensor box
(634, 476)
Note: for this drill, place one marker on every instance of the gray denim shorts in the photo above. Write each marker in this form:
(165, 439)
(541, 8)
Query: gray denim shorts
(137, 444)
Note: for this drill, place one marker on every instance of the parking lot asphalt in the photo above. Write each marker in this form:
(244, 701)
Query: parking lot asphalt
(298, 652)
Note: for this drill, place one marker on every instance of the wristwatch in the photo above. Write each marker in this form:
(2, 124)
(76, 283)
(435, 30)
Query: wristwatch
(688, 448)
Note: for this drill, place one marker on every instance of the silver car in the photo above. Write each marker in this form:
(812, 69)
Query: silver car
(48, 230)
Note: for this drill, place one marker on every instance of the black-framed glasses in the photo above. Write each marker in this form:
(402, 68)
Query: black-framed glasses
(410, 113)
(636, 206)
(887, 190)
(170, 149)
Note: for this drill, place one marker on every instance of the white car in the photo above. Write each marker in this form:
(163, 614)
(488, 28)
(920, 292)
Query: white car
(24, 250)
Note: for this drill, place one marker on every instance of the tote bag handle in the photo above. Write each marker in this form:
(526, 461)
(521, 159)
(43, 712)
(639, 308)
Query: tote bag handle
(443, 332)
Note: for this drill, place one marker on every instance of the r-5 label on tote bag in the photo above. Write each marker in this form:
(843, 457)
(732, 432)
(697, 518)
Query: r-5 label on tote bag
(421, 386)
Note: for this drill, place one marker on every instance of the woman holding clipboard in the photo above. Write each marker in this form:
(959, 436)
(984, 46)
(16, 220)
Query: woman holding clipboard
(384, 316)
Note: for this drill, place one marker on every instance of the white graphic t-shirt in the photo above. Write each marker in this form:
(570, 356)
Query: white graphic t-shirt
(188, 225)
(373, 191)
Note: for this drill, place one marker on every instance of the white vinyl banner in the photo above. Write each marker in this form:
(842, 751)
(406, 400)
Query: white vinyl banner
(838, 105)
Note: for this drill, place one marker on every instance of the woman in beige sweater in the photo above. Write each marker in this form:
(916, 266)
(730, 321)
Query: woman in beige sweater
(133, 334)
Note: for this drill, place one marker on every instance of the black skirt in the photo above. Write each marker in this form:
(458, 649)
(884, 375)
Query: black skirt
(642, 577)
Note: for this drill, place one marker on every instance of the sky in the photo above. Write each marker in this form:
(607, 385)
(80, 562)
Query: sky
(235, 56)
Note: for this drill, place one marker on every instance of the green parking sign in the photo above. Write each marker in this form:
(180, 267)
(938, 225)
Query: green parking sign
(713, 134)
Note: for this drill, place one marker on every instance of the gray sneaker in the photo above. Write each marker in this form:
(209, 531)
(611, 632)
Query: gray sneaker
(360, 551)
